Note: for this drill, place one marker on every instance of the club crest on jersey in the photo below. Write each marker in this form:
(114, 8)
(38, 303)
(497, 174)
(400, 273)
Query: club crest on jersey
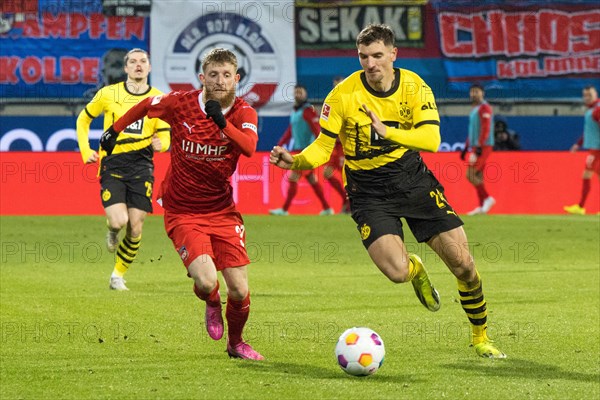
(258, 65)
(183, 253)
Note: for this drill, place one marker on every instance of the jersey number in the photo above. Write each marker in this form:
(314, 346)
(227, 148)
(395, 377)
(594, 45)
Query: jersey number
(148, 189)
(440, 200)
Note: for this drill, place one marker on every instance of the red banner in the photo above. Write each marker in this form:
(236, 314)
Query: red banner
(521, 182)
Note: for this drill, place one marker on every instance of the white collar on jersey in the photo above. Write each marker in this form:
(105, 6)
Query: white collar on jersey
(201, 101)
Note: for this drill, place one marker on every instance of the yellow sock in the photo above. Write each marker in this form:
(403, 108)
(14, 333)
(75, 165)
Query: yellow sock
(126, 253)
(473, 302)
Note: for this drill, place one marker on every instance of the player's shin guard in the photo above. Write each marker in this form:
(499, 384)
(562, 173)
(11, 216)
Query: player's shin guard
(236, 314)
(473, 302)
(585, 190)
(126, 253)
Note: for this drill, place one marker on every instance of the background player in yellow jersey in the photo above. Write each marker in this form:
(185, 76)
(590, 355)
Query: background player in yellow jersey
(127, 175)
(384, 116)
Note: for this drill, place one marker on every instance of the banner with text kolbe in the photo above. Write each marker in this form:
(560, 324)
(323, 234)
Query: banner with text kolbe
(521, 49)
(260, 33)
(52, 49)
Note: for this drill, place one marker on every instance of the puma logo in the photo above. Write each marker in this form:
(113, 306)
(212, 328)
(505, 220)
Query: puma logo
(188, 127)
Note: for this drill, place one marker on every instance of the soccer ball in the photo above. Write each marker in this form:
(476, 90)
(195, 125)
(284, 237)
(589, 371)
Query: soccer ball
(360, 351)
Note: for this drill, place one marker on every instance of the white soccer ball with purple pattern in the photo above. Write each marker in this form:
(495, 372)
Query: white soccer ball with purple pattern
(360, 351)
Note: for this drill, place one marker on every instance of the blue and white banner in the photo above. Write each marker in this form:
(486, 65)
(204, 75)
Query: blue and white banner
(260, 33)
(64, 49)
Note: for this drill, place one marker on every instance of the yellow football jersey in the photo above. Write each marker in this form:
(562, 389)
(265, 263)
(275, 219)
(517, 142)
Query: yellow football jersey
(114, 101)
(408, 104)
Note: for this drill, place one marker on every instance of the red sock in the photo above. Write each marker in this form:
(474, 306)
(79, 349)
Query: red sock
(481, 193)
(337, 186)
(292, 190)
(319, 192)
(237, 314)
(212, 299)
(585, 190)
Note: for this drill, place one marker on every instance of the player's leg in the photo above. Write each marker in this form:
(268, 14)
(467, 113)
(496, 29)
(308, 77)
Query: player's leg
(113, 193)
(128, 248)
(329, 174)
(139, 203)
(453, 249)
(228, 242)
(381, 234)
(293, 178)
(312, 179)
(116, 218)
(191, 239)
(206, 287)
(237, 313)
(592, 164)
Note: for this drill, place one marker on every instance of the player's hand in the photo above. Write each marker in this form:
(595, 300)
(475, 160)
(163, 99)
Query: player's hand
(463, 153)
(108, 140)
(574, 148)
(478, 151)
(92, 158)
(156, 143)
(281, 158)
(213, 110)
(376, 123)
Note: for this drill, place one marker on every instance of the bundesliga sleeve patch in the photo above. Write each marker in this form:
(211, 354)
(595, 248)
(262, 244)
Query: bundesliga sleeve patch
(248, 125)
(325, 111)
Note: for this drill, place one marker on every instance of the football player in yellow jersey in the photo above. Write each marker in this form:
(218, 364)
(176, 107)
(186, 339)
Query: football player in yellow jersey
(127, 175)
(384, 116)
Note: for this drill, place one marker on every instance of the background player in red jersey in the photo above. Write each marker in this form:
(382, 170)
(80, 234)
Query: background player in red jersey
(302, 130)
(211, 128)
(481, 142)
(591, 141)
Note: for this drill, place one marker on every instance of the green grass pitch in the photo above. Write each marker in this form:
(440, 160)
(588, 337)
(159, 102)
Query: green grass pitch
(65, 335)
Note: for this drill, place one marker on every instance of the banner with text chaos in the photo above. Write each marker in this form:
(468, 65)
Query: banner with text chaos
(529, 51)
(260, 33)
(54, 49)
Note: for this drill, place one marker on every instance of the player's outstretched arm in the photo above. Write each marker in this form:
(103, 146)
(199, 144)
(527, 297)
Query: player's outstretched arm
(281, 158)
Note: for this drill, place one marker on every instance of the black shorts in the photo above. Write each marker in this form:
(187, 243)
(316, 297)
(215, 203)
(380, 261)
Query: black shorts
(135, 191)
(424, 208)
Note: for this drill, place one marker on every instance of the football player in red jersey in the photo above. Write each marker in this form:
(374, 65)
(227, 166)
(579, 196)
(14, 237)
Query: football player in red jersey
(211, 128)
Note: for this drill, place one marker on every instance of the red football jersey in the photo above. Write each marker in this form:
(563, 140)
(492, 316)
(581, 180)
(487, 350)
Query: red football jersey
(203, 158)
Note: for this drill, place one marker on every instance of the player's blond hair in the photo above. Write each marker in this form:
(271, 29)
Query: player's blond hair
(136, 50)
(219, 56)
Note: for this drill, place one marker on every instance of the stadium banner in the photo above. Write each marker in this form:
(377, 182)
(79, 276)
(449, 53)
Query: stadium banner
(522, 49)
(522, 183)
(63, 50)
(323, 25)
(260, 33)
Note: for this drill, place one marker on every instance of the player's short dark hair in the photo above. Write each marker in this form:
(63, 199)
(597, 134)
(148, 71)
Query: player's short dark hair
(136, 50)
(477, 86)
(589, 87)
(375, 33)
(299, 86)
(219, 55)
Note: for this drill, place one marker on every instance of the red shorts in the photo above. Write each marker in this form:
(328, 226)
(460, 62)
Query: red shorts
(336, 161)
(592, 161)
(221, 235)
(478, 162)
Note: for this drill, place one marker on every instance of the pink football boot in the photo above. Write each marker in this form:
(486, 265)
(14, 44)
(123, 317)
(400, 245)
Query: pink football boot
(214, 321)
(243, 350)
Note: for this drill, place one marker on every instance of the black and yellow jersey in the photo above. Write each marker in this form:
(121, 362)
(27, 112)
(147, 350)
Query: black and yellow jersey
(409, 111)
(134, 145)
